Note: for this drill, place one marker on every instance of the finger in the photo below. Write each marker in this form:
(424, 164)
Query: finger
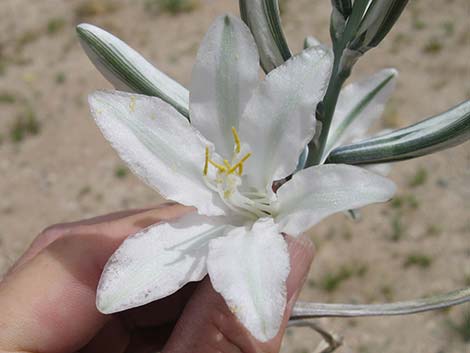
(161, 312)
(145, 328)
(208, 326)
(48, 304)
(113, 337)
(149, 340)
(51, 234)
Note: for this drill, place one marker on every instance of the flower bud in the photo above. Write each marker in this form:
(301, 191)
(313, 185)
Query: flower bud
(340, 13)
(378, 20)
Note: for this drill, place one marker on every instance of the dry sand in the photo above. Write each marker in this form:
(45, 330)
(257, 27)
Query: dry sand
(67, 171)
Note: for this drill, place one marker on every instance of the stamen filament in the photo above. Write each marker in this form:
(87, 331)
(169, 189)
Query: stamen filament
(220, 167)
(239, 164)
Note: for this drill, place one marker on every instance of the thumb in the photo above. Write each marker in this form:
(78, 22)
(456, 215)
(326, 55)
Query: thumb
(208, 326)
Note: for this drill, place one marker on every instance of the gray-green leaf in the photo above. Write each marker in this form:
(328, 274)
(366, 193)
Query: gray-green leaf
(344, 7)
(304, 310)
(262, 16)
(379, 19)
(128, 70)
(339, 15)
(359, 105)
(354, 21)
(428, 136)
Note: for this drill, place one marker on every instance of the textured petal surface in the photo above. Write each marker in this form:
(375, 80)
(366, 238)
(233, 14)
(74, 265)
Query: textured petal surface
(359, 105)
(311, 41)
(379, 168)
(249, 269)
(224, 77)
(279, 120)
(159, 145)
(156, 262)
(317, 192)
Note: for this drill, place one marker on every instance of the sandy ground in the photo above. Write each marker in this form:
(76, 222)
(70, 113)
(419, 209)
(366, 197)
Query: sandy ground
(62, 169)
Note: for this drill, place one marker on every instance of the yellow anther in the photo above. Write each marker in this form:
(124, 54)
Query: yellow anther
(237, 140)
(227, 164)
(206, 163)
(239, 165)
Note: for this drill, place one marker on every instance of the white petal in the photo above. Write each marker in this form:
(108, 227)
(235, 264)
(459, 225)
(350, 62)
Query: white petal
(159, 145)
(279, 120)
(359, 105)
(311, 41)
(317, 192)
(249, 269)
(224, 77)
(380, 168)
(156, 262)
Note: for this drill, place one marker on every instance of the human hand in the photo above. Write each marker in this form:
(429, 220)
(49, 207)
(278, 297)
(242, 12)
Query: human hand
(47, 299)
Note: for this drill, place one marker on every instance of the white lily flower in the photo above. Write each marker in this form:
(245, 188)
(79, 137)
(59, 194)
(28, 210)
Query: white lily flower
(244, 135)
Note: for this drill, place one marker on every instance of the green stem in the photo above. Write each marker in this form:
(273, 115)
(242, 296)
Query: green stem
(325, 115)
(338, 77)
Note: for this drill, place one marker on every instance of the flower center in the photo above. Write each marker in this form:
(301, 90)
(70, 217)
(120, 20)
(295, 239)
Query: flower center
(228, 179)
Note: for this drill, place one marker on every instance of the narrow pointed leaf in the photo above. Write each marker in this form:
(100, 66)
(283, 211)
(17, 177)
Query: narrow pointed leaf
(337, 25)
(128, 70)
(359, 105)
(357, 14)
(263, 18)
(440, 132)
(344, 7)
(378, 21)
(341, 11)
(304, 310)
